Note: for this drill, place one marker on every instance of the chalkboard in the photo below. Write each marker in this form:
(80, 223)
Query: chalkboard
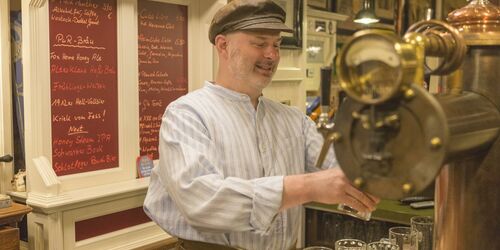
(83, 76)
(163, 74)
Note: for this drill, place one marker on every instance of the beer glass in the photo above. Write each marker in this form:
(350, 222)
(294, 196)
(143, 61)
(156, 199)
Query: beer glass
(354, 213)
(422, 227)
(382, 245)
(402, 237)
(317, 248)
(350, 244)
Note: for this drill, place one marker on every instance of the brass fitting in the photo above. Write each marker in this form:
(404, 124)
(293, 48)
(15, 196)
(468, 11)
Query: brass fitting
(407, 188)
(359, 182)
(436, 143)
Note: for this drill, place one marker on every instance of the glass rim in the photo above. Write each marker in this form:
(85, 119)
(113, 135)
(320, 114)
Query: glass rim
(400, 230)
(422, 220)
(383, 243)
(350, 240)
(317, 248)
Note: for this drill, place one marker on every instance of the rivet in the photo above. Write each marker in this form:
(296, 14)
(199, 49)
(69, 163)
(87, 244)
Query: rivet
(407, 187)
(358, 182)
(435, 142)
(409, 94)
(391, 119)
(336, 137)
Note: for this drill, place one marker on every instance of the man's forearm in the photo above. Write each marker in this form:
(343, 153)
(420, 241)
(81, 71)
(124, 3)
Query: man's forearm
(295, 191)
(329, 186)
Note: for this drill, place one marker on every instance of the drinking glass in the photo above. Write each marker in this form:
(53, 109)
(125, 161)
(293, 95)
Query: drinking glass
(317, 248)
(354, 213)
(422, 227)
(350, 244)
(402, 237)
(382, 245)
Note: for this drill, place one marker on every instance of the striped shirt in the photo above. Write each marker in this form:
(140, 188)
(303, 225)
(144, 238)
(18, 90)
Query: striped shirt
(221, 169)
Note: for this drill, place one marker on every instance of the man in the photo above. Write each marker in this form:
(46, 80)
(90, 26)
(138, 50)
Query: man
(232, 162)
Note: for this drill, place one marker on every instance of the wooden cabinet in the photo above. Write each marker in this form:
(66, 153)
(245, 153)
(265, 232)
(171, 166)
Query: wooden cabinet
(9, 233)
(9, 238)
(320, 44)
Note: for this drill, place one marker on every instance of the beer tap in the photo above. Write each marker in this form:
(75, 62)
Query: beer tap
(325, 124)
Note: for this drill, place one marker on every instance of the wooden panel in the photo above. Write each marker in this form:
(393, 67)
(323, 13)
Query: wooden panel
(109, 223)
(9, 238)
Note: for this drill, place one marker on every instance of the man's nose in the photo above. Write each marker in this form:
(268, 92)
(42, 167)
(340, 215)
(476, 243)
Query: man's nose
(272, 53)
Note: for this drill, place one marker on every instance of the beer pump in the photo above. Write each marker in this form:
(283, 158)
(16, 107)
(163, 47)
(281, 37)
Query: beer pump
(393, 138)
(324, 124)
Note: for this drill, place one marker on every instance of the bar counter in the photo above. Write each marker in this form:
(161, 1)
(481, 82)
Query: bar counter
(387, 210)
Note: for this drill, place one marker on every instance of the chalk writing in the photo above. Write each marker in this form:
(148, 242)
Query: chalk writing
(162, 66)
(83, 73)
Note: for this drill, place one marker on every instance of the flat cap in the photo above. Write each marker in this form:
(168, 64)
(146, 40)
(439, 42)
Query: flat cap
(247, 14)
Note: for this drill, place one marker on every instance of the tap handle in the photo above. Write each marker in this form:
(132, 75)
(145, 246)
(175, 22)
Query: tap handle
(326, 75)
(324, 150)
(6, 158)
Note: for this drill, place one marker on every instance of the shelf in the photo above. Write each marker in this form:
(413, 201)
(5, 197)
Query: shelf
(311, 12)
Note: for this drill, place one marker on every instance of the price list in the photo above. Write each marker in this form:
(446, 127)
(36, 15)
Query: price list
(162, 66)
(83, 75)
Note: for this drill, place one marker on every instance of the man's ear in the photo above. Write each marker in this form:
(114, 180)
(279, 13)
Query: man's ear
(221, 43)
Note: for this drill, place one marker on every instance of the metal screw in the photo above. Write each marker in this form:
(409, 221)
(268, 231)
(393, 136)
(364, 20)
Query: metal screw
(391, 119)
(336, 137)
(435, 143)
(379, 124)
(366, 125)
(409, 94)
(407, 187)
(359, 182)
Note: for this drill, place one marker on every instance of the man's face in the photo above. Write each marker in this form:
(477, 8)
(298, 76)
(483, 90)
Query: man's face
(254, 56)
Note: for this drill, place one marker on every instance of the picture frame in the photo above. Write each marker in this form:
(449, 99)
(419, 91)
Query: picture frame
(385, 9)
(315, 51)
(295, 13)
(319, 4)
(344, 7)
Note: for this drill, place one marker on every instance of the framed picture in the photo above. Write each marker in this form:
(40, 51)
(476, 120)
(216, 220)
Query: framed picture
(344, 7)
(294, 15)
(385, 9)
(315, 51)
(319, 4)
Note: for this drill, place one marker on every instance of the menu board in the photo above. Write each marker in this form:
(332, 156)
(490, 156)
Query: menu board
(162, 66)
(83, 76)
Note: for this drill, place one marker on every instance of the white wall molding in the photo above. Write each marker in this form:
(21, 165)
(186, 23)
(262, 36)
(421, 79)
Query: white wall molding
(37, 3)
(292, 74)
(88, 196)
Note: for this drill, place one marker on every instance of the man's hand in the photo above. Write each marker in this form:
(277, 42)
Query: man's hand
(329, 186)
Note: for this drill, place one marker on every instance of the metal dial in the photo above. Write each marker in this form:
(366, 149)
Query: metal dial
(371, 68)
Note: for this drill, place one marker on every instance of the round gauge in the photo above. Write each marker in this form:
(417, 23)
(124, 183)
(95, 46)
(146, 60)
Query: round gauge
(370, 68)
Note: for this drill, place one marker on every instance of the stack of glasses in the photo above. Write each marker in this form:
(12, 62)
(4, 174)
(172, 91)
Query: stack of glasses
(417, 237)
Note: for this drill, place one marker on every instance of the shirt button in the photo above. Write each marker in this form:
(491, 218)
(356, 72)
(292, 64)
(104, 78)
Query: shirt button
(263, 148)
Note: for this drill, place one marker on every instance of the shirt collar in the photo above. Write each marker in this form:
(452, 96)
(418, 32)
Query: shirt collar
(228, 93)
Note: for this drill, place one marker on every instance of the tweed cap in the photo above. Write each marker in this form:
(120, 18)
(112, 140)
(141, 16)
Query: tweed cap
(247, 14)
